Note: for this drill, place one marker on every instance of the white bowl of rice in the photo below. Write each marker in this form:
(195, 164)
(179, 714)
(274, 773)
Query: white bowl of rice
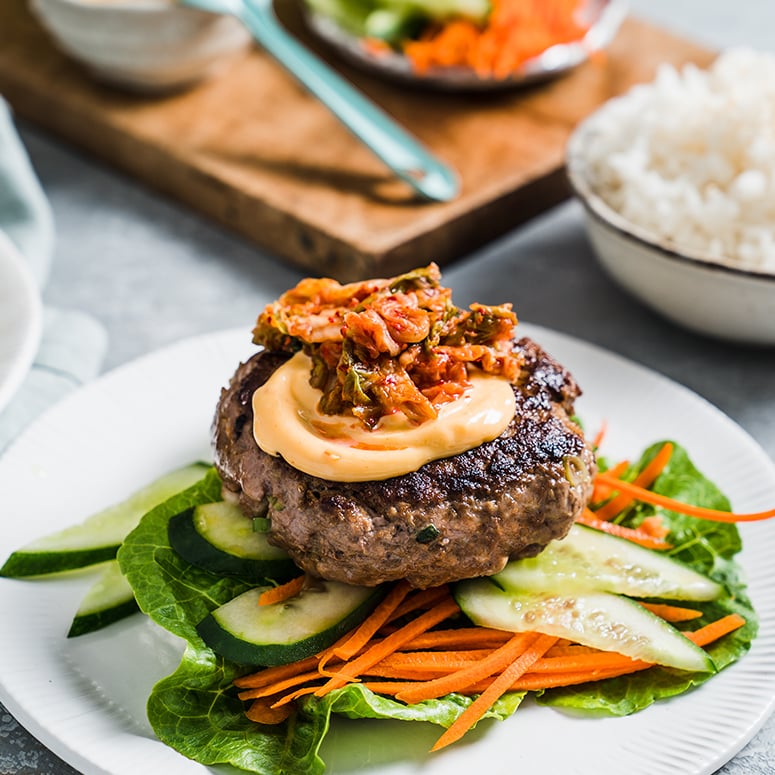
(677, 178)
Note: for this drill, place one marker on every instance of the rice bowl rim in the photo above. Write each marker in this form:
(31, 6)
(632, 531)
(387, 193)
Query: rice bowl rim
(576, 168)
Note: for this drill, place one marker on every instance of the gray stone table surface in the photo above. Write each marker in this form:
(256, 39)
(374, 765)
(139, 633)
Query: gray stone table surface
(154, 273)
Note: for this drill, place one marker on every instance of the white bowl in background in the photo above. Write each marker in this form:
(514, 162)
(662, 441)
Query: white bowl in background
(142, 45)
(698, 291)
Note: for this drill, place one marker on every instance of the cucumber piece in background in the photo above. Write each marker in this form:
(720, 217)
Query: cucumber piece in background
(98, 537)
(108, 600)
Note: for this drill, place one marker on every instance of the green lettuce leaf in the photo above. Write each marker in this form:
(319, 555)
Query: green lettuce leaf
(196, 711)
(356, 701)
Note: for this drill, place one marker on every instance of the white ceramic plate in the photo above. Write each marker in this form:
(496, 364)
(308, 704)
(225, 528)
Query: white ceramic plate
(20, 319)
(85, 697)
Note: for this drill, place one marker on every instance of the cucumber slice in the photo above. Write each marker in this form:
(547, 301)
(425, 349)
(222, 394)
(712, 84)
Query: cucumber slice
(98, 537)
(220, 538)
(587, 559)
(251, 634)
(108, 600)
(597, 619)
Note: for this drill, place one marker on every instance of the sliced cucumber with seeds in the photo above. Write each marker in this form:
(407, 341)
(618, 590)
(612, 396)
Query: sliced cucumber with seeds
(97, 538)
(598, 619)
(220, 538)
(252, 634)
(588, 559)
(108, 600)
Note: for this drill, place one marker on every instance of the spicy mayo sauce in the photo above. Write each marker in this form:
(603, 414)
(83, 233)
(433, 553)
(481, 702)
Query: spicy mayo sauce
(287, 423)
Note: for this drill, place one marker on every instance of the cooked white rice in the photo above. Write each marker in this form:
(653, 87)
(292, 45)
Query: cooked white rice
(690, 158)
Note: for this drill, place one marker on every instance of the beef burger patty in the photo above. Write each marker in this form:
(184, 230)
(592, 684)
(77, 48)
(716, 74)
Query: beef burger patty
(454, 518)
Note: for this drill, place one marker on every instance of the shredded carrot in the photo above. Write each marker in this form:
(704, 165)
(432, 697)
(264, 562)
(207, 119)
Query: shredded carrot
(262, 712)
(619, 468)
(672, 613)
(716, 630)
(279, 686)
(645, 478)
(414, 674)
(366, 630)
(600, 435)
(451, 664)
(325, 656)
(654, 526)
(516, 31)
(273, 674)
(618, 471)
(593, 663)
(422, 599)
(465, 637)
(350, 670)
(286, 699)
(647, 496)
(439, 662)
(589, 518)
(470, 673)
(656, 465)
(534, 682)
(283, 592)
(494, 691)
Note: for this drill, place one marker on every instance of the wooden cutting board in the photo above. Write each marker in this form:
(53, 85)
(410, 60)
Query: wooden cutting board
(255, 152)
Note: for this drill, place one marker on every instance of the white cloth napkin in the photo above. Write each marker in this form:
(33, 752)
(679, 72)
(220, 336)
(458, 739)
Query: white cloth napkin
(73, 344)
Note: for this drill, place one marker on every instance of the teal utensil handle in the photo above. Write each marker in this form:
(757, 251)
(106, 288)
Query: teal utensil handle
(401, 152)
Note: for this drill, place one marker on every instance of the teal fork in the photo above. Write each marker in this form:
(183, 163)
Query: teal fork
(401, 152)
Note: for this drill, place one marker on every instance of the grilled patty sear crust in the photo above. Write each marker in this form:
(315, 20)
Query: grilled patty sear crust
(454, 518)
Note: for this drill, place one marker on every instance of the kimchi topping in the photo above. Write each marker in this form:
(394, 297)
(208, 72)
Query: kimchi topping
(379, 347)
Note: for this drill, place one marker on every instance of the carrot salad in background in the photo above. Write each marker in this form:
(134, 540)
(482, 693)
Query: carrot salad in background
(494, 38)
